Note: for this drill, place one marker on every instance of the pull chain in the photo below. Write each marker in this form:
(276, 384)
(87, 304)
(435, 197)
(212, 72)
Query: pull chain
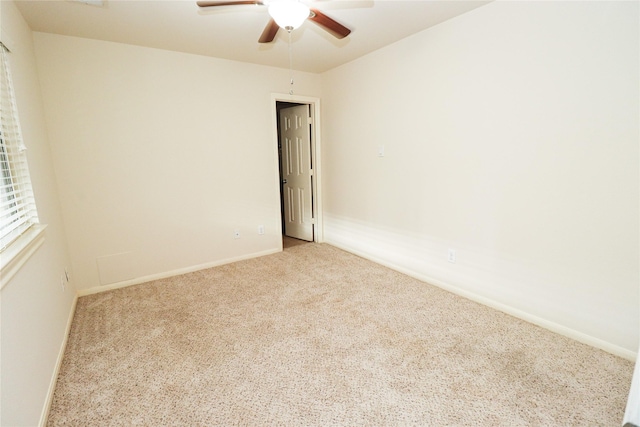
(290, 66)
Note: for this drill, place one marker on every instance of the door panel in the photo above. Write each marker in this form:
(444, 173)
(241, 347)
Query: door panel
(296, 172)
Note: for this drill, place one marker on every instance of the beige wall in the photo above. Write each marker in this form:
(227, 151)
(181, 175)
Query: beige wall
(160, 156)
(34, 309)
(511, 135)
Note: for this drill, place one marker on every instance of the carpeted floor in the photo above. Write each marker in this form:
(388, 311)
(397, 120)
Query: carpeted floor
(289, 242)
(314, 336)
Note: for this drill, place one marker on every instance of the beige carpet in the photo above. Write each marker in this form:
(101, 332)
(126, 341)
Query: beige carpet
(289, 242)
(314, 336)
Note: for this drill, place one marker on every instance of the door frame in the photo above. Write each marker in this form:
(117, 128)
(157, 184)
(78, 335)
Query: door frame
(316, 182)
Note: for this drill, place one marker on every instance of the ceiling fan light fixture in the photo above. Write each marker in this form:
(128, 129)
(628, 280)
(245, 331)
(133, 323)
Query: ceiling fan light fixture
(288, 14)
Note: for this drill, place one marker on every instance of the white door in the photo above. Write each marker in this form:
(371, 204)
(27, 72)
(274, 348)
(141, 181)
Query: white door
(295, 135)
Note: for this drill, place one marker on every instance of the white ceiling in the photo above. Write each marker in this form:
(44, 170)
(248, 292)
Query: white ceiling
(232, 32)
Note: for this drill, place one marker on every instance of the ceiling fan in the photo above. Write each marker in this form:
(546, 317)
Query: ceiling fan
(285, 14)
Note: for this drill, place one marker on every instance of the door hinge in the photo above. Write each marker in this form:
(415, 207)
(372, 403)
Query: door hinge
(310, 120)
(311, 172)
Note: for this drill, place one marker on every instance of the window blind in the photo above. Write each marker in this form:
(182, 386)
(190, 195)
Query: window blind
(17, 204)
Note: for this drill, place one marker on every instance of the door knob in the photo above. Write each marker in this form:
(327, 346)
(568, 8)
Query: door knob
(284, 181)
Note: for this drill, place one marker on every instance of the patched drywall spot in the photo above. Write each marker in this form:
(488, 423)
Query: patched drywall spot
(115, 268)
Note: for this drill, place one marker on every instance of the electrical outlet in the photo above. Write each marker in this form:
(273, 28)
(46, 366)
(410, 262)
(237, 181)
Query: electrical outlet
(261, 229)
(236, 234)
(452, 255)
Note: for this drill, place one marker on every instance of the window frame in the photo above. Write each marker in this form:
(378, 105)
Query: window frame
(20, 246)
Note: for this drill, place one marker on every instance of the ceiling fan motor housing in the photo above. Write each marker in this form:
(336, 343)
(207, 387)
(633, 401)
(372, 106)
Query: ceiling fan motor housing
(286, 14)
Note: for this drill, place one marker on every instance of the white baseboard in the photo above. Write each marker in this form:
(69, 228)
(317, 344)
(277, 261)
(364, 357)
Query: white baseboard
(52, 385)
(489, 279)
(551, 326)
(172, 273)
(54, 378)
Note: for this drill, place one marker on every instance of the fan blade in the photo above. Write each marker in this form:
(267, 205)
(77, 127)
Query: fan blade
(269, 32)
(335, 28)
(212, 3)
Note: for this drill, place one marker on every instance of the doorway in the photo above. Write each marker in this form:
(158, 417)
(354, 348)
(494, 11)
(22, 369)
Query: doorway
(297, 138)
